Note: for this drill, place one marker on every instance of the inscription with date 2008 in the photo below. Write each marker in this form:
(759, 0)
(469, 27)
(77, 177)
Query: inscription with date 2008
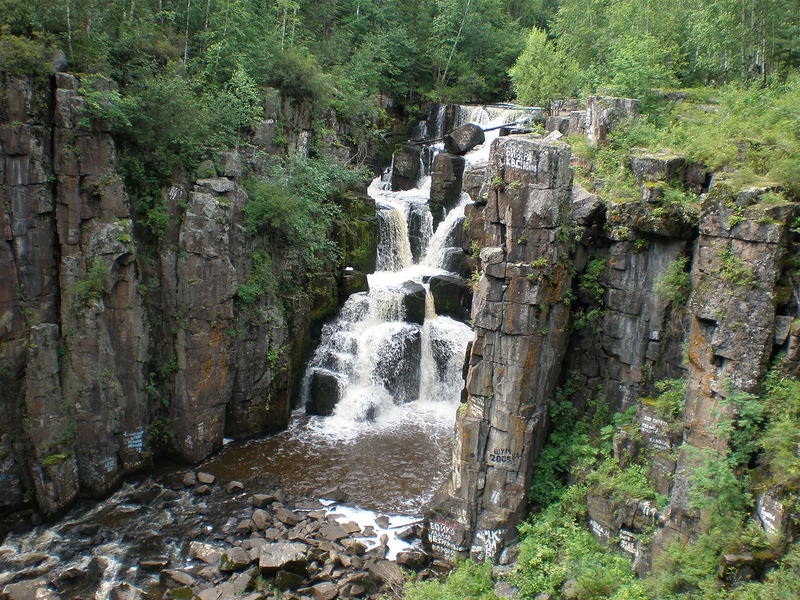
(503, 456)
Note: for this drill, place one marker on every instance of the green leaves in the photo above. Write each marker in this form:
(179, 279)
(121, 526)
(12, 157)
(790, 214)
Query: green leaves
(542, 72)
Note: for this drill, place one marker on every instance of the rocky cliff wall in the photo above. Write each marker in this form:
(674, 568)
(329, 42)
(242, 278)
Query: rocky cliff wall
(614, 325)
(116, 344)
(520, 316)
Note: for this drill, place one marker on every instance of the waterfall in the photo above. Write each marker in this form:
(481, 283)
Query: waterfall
(388, 350)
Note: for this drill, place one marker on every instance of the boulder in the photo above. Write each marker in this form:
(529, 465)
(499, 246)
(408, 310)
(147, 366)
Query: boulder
(463, 139)
(352, 282)
(121, 591)
(287, 517)
(335, 493)
(414, 296)
(286, 580)
(325, 591)
(447, 173)
(261, 519)
(324, 393)
(204, 552)
(405, 167)
(234, 559)
(283, 555)
(452, 296)
(206, 478)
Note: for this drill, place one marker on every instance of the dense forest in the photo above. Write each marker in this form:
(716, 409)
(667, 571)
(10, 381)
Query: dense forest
(718, 82)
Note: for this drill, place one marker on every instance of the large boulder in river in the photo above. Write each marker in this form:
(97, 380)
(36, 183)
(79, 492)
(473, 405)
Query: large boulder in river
(463, 139)
(324, 393)
(447, 174)
(414, 302)
(405, 167)
(451, 296)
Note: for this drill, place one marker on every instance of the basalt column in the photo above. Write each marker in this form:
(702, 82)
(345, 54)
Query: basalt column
(520, 318)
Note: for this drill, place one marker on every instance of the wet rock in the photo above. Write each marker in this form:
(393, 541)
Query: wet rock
(382, 521)
(446, 177)
(405, 167)
(262, 500)
(190, 479)
(204, 552)
(283, 555)
(336, 494)
(325, 591)
(154, 564)
(125, 591)
(234, 486)
(452, 296)
(202, 490)
(173, 577)
(463, 139)
(234, 559)
(413, 559)
(34, 589)
(325, 393)
(413, 302)
(206, 478)
(352, 282)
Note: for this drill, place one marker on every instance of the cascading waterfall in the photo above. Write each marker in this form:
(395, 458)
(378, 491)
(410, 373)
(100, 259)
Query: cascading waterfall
(376, 357)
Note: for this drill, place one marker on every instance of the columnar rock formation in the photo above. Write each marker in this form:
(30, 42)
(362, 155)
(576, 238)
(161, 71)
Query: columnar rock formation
(520, 315)
(115, 340)
(626, 327)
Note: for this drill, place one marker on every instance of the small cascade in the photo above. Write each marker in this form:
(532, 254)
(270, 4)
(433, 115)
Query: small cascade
(394, 248)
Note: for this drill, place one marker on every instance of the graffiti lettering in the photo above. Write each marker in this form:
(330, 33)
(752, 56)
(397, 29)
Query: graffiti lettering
(627, 541)
(134, 440)
(520, 157)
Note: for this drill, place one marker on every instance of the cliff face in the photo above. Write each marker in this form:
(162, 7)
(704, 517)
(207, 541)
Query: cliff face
(520, 317)
(113, 345)
(613, 331)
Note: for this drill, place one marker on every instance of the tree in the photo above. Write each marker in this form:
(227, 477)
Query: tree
(542, 72)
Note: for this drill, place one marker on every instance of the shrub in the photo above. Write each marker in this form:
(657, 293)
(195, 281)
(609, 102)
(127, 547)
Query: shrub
(25, 56)
(675, 283)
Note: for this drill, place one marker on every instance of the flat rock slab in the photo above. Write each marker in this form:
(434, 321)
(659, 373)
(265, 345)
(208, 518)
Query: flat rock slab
(333, 532)
(204, 552)
(325, 591)
(286, 517)
(282, 555)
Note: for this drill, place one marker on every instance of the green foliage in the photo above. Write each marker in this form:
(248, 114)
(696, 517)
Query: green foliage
(52, 460)
(297, 208)
(542, 72)
(468, 581)
(98, 278)
(590, 279)
(105, 102)
(734, 270)
(640, 63)
(675, 283)
(24, 56)
(557, 547)
(669, 403)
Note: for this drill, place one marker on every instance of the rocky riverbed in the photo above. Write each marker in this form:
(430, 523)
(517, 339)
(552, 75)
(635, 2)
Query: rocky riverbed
(193, 535)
